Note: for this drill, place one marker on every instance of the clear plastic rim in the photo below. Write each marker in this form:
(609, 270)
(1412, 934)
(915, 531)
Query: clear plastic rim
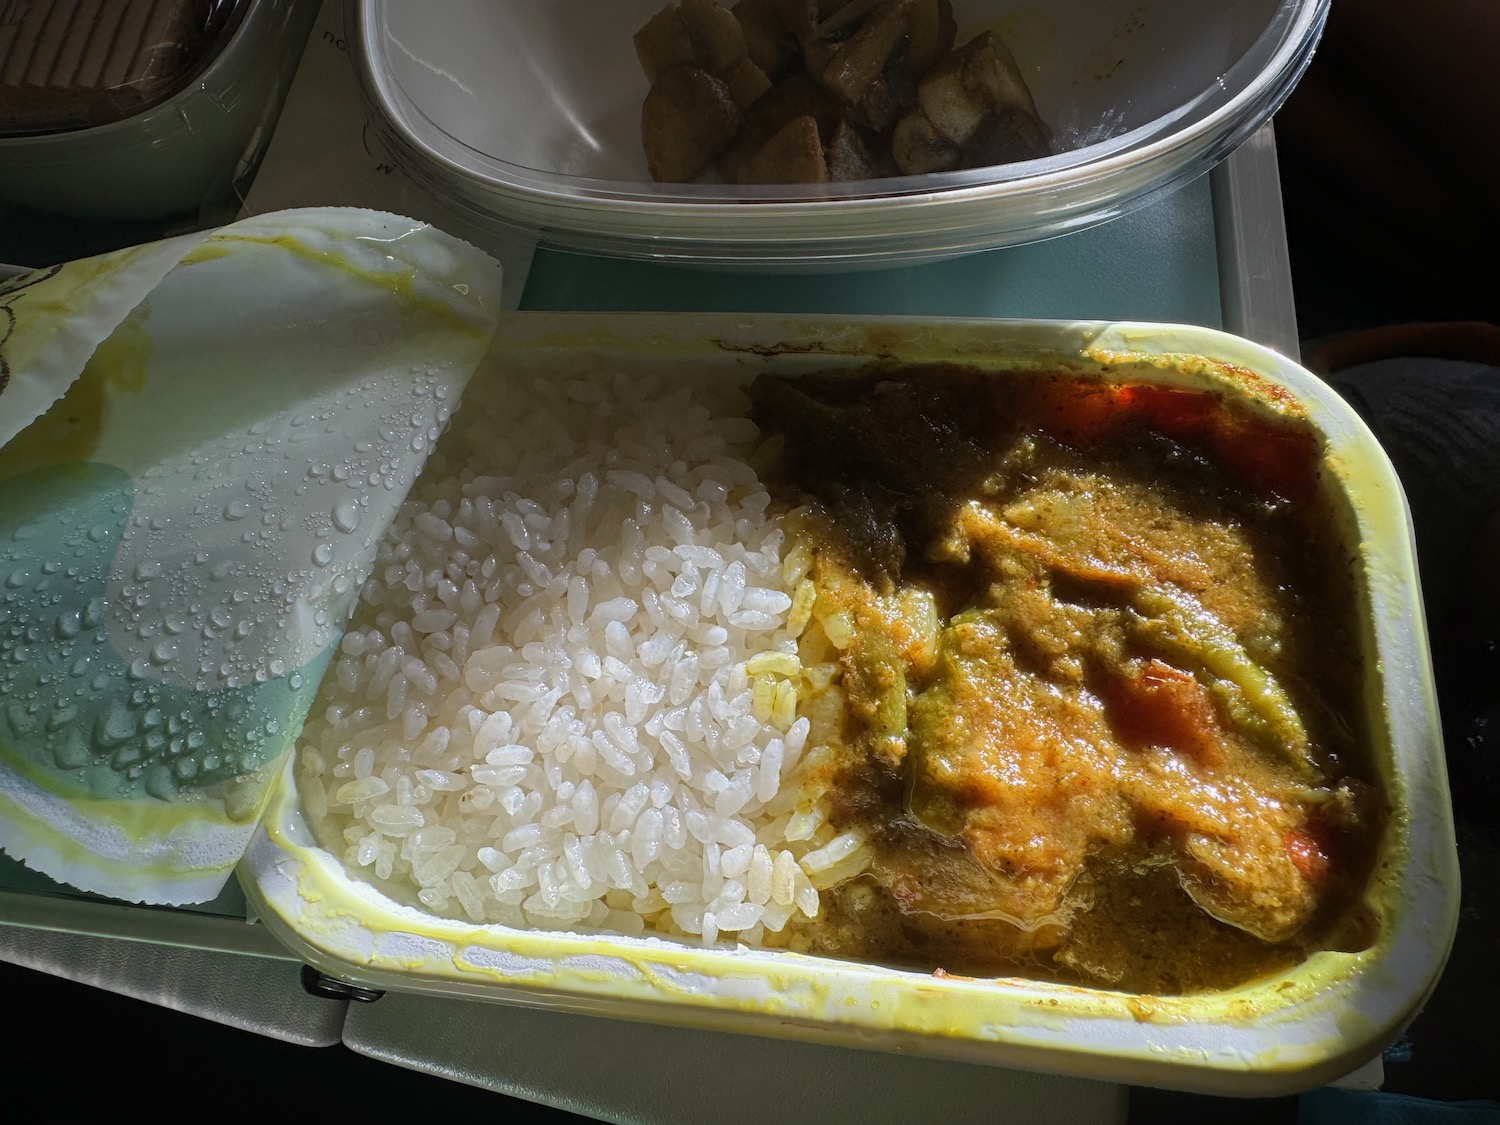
(1295, 30)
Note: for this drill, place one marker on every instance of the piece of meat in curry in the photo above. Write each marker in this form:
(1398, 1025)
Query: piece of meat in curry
(1099, 677)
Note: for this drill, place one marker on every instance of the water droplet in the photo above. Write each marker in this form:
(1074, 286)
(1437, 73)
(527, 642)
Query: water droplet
(114, 725)
(147, 570)
(20, 577)
(237, 509)
(164, 652)
(243, 630)
(346, 516)
(221, 617)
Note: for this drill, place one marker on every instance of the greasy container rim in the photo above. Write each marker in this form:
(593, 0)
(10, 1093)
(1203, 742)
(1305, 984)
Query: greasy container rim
(1293, 1031)
(878, 219)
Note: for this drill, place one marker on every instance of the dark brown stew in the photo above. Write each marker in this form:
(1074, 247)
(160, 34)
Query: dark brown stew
(1099, 712)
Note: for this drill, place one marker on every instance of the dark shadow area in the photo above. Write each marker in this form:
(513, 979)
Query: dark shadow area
(78, 1055)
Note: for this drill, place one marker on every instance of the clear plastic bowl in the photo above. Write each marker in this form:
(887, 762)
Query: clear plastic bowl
(528, 115)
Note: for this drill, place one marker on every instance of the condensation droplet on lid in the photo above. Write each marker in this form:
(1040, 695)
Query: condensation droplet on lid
(221, 617)
(243, 630)
(346, 516)
(237, 509)
(164, 652)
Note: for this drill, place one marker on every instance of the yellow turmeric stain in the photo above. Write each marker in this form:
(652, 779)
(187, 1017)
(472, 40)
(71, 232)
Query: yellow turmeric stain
(398, 282)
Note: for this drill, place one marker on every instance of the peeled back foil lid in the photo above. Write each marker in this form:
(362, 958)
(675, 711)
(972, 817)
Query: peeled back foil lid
(201, 443)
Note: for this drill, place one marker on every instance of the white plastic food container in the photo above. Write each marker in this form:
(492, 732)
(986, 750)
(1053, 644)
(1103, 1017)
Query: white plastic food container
(528, 115)
(1292, 1031)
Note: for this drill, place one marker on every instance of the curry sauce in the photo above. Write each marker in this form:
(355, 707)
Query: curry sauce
(1096, 709)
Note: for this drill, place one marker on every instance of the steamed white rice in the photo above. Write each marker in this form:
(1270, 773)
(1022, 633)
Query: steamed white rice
(569, 698)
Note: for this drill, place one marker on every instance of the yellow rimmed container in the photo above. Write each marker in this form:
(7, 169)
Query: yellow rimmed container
(1298, 1029)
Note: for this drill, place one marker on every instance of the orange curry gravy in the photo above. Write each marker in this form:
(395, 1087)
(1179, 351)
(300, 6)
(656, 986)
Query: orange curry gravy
(1098, 712)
